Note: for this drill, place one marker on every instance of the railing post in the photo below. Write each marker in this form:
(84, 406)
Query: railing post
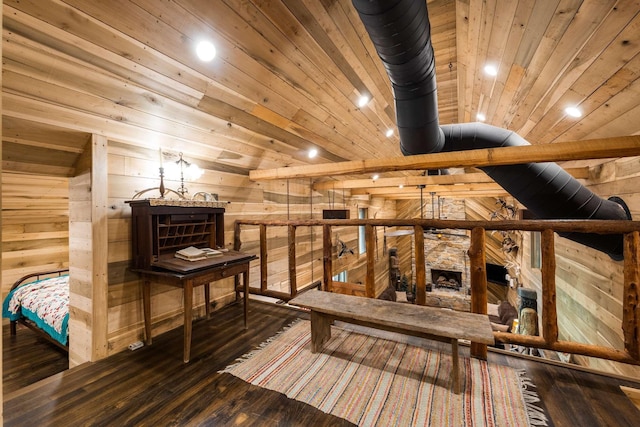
(237, 244)
(293, 283)
(370, 280)
(421, 275)
(263, 257)
(631, 295)
(549, 309)
(478, 276)
(327, 275)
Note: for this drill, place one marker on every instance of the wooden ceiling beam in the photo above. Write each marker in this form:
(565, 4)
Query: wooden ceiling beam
(624, 146)
(437, 189)
(407, 181)
(456, 195)
(455, 188)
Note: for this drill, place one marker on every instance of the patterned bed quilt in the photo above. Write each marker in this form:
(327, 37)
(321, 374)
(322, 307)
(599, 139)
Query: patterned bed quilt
(44, 302)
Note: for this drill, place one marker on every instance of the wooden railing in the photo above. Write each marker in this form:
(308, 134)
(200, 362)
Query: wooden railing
(478, 280)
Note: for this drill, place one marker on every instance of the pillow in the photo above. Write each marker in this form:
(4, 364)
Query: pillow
(492, 310)
(401, 297)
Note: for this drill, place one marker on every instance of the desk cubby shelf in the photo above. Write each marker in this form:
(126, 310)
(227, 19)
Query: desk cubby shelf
(158, 231)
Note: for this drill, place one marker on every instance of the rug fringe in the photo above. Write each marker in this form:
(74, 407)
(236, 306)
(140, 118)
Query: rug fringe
(537, 416)
(262, 345)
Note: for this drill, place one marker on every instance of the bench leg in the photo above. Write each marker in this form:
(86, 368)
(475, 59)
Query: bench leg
(320, 330)
(455, 369)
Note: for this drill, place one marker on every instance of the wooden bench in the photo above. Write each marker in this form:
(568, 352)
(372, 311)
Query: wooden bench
(416, 320)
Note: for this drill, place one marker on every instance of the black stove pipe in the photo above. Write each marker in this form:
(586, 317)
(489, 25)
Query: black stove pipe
(400, 31)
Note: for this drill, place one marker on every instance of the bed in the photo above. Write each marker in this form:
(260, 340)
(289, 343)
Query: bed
(40, 301)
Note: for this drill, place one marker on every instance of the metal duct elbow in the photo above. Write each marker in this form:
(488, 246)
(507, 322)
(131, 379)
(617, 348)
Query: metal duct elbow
(400, 32)
(546, 189)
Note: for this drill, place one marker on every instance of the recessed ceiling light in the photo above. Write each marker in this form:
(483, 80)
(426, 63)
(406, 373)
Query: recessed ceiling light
(389, 133)
(491, 70)
(376, 176)
(206, 51)
(573, 111)
(313, 152)
(400, 186)
(364, 100)
(481, 117)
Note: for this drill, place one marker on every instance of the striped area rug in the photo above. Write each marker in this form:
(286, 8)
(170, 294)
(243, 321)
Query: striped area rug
(373, 381)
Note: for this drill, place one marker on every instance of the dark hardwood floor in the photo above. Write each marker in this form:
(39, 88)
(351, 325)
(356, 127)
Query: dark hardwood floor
(151, 386)
(28, 358)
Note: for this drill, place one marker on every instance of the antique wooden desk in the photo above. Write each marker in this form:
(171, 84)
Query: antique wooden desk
(159, 228)
(202, 274)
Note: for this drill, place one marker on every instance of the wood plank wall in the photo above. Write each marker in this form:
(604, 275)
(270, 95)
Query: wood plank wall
(35, 225)
(482, 208)
(1, 225)
(35, 233)
(88, 255)
(80, 268)
(133, 168)
(589, 283)
(35, 219)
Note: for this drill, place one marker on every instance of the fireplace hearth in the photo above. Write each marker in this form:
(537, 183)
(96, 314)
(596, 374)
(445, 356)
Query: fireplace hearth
(446, 279)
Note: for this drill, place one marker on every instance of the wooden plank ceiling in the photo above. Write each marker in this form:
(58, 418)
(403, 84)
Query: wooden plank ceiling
(288, 74)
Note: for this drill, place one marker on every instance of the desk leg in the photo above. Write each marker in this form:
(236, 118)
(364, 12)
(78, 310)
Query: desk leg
(207, 296)
(455, 366)
(245, 278)
(146, 306)
(188, 305)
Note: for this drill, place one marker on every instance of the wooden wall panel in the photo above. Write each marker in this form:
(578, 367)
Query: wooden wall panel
(405, 244)
(35, 225)
(134, 168)
(481, 208)
(88, 267)
(1, 225)
(589, 283)
(287, 78)
(80, 269)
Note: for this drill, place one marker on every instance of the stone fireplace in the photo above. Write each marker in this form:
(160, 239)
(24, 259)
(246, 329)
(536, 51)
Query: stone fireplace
(448, 262)
(445, 254)
(447, 251)
(447, 270)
